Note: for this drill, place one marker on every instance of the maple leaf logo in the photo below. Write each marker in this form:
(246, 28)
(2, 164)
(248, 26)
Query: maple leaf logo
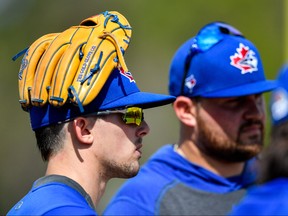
(190, 82)
(244, 59)
(127, 74)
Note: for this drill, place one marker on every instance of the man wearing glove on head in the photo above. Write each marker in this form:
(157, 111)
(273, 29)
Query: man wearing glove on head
(87, 114)
(218, 79)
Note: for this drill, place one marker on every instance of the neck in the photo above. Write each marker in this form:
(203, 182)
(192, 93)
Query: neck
(91, 181)
(221, 168)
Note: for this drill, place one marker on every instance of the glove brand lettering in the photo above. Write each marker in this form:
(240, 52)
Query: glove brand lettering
(244, 59)
(84, 66)
(24, 64)
(77, 80)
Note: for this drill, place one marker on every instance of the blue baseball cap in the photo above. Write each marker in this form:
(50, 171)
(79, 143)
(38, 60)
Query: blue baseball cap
(279, 98)
(119, 91)
(218, 62)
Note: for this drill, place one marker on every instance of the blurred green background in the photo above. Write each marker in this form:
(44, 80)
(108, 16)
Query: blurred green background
(159, 28)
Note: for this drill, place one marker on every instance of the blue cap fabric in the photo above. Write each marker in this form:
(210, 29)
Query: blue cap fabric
(230, 67)
(119, 91)
(279, 98)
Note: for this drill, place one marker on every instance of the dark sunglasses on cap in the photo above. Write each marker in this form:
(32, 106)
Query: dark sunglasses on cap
(131, 115)
(206, 38)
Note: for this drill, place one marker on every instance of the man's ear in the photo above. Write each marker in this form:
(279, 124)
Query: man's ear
(185, 110)
(83, 130)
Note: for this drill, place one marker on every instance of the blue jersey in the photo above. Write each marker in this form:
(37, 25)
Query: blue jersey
(168, 184)
(270, 198)
(54, 195)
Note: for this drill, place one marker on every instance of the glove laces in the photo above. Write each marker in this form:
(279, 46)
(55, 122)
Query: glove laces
(121, 65)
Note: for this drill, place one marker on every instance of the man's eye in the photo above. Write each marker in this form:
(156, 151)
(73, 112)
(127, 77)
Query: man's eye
(233, 103)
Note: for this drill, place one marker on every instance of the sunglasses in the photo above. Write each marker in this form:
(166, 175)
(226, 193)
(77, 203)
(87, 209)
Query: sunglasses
(206, 38)
(131, 115)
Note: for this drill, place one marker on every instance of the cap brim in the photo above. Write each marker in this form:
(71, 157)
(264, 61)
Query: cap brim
(140, 99)
(242, 90)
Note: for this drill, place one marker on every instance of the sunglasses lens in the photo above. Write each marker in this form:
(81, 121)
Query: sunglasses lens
(213, 33)
(133, 115)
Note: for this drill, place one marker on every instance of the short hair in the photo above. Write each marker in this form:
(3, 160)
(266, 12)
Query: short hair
(49, 140)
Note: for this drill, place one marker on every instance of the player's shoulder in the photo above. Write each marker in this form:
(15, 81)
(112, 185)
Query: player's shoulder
(43, 199)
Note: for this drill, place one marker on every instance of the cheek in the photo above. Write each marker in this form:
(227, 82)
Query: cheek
(231, 126)
(114, 142)
(223, 122)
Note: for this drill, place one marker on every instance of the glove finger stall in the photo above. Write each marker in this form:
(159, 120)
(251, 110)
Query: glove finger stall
(28, 67)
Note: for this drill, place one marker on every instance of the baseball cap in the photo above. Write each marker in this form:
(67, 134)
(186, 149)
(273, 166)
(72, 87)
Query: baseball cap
(119, 91)
(218, 62)
(279, 97)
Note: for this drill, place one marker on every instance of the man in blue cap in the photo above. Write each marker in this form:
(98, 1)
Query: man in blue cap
(218, 79)
(270, 197)
(85, 137)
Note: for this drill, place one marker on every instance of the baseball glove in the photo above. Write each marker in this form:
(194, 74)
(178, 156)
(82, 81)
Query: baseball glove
(73, 66)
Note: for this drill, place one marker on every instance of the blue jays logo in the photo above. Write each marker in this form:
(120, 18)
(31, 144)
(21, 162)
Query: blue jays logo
(244, 59)
(127, 74)
(190, 82)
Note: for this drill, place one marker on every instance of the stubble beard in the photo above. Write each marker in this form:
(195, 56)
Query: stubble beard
(223, 148)
(122, 170)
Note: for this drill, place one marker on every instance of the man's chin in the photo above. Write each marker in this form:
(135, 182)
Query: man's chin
(248, 152)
